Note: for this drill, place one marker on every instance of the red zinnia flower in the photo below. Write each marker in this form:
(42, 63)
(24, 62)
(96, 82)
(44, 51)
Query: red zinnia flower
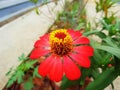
(65, 50)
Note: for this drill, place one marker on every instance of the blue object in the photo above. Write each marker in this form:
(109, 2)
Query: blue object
(8, 12)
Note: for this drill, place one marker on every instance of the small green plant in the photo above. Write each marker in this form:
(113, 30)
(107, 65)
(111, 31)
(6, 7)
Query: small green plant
(73, 15)
(104, 5)
(18, 74)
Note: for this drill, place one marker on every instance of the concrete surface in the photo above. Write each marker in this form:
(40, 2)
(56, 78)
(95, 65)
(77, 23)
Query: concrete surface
(93, 17)
(18, 36)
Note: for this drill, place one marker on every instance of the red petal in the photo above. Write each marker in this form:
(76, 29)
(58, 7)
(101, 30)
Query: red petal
(81, 40)
(41, 43)
(71, 70)
(74, 34)
(45, 37)
(38, 52)
(45, 67)
(84, 50)
(82, 60)
(56, 71)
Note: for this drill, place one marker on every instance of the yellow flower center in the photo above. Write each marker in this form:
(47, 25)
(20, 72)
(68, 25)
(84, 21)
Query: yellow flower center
(60, 42)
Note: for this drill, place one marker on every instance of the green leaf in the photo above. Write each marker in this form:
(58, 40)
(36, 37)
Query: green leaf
(16, 76)
(23, 58)
(34, 1)
(79, 26)
(117, 25)
(101, 35)
(35, 73)
(45, 1)
(97, 57)
(105, 25)
(116, 1)
(9, 72)
(106, 59)
(113, 50)
(19, 72)
(67, 83)
(91, 32)
(11, 81)
(19, 76)
(95, 73)
(29, 64)
(109, 41)
(37, 11)
(85, 73)
(29, 84)
(103, 80)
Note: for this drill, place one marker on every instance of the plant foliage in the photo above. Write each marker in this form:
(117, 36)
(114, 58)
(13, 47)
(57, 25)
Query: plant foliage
(105, 64)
